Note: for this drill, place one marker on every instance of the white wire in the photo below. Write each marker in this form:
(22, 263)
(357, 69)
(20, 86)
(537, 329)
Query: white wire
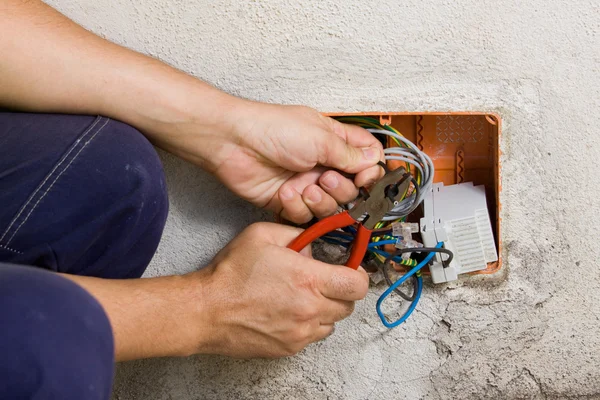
(416, 164)
(414, 156)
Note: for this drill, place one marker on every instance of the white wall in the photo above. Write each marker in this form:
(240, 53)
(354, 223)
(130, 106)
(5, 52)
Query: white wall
(533, 335)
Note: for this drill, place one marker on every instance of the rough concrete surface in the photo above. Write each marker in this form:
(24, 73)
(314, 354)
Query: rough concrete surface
(532, 333)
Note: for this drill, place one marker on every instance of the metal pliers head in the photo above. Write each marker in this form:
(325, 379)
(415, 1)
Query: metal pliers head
(382, 198)
(368, 210)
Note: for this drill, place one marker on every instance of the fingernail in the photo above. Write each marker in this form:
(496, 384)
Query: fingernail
(286, 193)
(314, 196)
(330, 181)
(371, 153)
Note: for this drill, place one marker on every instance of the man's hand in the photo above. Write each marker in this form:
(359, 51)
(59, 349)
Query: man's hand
(256, 299)
(268, 301)
(276, 157)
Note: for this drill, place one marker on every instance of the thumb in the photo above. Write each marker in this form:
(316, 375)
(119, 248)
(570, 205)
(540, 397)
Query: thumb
(336, 152)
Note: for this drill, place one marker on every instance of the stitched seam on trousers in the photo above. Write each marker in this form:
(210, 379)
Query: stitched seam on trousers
(41, 185)
(56, 179)
(9, 249)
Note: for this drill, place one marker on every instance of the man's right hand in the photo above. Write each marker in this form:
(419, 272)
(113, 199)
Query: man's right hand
(261, 299)
(256, 299)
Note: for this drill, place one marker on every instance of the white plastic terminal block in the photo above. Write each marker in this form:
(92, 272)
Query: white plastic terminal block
(458, 216)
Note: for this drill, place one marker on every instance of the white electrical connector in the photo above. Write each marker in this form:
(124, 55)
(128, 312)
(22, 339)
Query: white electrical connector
(458, 216)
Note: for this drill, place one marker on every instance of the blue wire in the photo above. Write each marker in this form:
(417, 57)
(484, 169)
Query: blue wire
(381, 243)
(399, 282)
(349, 229)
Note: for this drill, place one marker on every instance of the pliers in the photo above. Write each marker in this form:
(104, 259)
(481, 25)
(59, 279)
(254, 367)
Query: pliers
(369, 208)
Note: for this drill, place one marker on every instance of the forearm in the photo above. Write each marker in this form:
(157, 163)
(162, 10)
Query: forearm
(51, 64)
(153, 317)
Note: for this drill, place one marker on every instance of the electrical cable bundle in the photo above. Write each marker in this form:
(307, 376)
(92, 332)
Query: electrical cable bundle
(404, 151)
(385, 233)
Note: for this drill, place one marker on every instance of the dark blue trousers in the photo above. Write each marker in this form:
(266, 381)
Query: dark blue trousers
(78, 195)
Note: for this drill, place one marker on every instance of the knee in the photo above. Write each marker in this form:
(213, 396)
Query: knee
(56, 341)
(114, 216)
(137, 173)
(101, 208)
(139, 201)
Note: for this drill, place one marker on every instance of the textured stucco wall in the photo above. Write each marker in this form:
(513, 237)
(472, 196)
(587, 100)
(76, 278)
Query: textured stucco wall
(534, 334)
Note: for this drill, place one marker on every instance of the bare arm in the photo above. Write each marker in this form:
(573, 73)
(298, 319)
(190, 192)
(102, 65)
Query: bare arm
(50, 64)
(153, 317)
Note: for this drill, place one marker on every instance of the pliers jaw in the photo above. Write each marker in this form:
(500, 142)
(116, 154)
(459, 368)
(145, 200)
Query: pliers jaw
(382, 198)
(371, 208)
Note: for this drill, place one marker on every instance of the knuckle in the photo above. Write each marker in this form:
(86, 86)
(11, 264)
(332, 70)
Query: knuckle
(298, 214)
(308, 312)
(295, 338)
(327, 209)
(324, 332)
(304, 110)
(300, 337)
(257, 229)
(289, 352)
(293, 349)
(306, 280)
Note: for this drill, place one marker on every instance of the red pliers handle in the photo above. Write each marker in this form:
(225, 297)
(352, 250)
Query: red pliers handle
(371, 208)
(342, 220)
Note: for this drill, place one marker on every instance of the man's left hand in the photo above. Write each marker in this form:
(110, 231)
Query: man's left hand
(281, 158)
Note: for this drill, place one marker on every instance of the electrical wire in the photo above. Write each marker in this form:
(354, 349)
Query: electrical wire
(399, 260)
(421, 169)
(399, 282)
(381, 243)
(412, 155)
(405, 151)
(436, 249)
(386, 275)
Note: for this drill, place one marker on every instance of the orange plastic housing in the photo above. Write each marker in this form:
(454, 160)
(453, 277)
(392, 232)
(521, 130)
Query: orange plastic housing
(464, 147)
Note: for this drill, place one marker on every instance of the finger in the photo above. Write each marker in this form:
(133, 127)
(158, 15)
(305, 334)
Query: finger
(350, 148)
(356, 150)
(340, 283)
(354, 135)
(340, 188)
(293, 207)
(335, 310)
(368, 176)
(338, 154)
(319, 202)
(323, 332)
(301, 180)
